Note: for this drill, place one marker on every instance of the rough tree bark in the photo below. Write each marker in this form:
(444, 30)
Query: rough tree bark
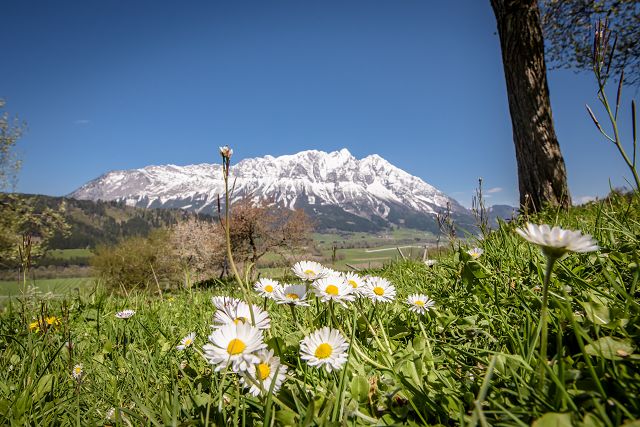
(542, 177)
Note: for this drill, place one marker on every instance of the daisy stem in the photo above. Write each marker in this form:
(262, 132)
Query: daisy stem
(224, 376)
(367, 359)
(280, 402)
(124, 339)
(426, 339)
(236, 415)
(373, 311)
(293, 313)
(339, 409)
(384, 335)
(544, 320)
(332, 322)
(227, 232)
(78, 403)
(375, 336)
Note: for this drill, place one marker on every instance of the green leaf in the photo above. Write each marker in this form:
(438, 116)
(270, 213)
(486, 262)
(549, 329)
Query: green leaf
(597, 312)
(419, 344)
(360, 388)
(286, 417)
(591, 420)
(201, 399)
(553, 419)
(107, 347)
(4, 406)
(44, 386)
(310, 414)
(278, 345)
(610, 348)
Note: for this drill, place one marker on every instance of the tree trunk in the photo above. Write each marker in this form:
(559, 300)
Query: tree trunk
(542, 177)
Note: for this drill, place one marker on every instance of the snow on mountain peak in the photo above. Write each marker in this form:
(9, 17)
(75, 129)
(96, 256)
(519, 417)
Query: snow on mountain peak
(312, 179)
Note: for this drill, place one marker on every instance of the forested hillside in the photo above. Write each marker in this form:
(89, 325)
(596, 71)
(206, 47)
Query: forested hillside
(94, 223)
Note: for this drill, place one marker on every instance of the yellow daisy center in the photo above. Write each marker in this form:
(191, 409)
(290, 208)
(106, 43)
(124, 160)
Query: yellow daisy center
(188, 341)
(268, 288)
(236, 346)
(331, 290)
(77, 370)
(293, 296)
(240, 320)
(263, 371)
(309, 273)
(353, 283)
(378, 291)
(419, 302)
(323, 351)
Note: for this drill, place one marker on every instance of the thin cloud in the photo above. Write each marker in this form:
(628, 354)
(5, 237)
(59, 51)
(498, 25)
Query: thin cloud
(81, 122)
(494, 190)
(586, 199)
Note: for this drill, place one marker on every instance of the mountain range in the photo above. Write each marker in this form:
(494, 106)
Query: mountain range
(339, 191)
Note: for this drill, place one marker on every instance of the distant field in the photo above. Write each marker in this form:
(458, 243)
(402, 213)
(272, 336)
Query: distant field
(69, 253)
(57, 286)
(373, 257)
(392, 237)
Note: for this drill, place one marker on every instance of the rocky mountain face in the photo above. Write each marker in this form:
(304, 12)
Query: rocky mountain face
(338, 190)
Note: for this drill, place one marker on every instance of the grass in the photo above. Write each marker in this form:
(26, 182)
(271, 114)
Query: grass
(474, 359)
(60, 288)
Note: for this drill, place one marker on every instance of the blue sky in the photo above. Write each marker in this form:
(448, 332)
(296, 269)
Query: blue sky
(119, 85)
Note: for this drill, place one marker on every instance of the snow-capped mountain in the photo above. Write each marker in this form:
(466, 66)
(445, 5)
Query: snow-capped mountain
(337, 189)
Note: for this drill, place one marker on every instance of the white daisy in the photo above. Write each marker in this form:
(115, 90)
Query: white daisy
(222, 301)
(240, 313)
(556, 241)
(292, 294)
(419, 303)
(77, 372)
(267, 371)
(234, 345)
(267, 287)
(356, 282)
(331, 272)
(334, 288)
(125, 314)
(379, 289)
(430, 262)
(325, 347)
(475, 253)
(308, 270)
(186, 341)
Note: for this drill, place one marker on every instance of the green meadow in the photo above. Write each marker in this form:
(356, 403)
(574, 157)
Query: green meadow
(474, 358)
(59, 288)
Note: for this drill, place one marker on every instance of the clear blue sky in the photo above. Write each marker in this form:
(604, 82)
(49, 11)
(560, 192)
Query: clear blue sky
(110, 85)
